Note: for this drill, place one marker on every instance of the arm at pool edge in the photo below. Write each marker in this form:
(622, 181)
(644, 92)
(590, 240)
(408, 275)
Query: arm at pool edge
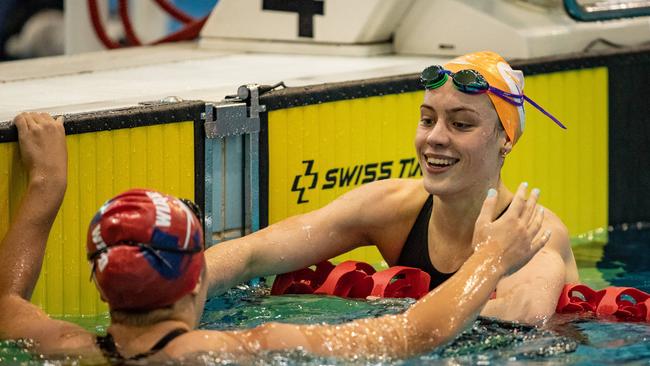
(44, 156)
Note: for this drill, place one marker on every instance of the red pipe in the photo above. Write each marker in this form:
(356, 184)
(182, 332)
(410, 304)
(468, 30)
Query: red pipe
(190, 31)
(175, 12)
(126, 21)
(99, 27)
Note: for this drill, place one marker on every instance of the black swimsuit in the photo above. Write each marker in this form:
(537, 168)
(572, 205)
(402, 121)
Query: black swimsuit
(415, 252)
(109, 349)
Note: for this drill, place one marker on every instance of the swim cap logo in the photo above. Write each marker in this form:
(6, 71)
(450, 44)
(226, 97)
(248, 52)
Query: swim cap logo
(100, 245)
(163, 211)
(515, 81)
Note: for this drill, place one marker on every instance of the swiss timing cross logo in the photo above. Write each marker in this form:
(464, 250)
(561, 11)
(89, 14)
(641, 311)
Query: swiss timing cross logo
(299, 182)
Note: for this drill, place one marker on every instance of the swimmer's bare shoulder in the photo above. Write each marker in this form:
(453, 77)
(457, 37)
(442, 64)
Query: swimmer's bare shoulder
(224, 344)
(560, 243)
(389, 209)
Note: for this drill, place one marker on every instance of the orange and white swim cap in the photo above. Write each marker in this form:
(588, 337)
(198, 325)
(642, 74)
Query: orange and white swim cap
(498, 74)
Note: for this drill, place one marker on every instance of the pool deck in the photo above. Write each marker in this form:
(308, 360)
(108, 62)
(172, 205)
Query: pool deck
(126, 77)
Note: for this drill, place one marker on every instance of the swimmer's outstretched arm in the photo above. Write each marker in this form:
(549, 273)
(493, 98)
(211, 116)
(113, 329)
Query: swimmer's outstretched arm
(503, 246)
(44, 156)
(291, 244)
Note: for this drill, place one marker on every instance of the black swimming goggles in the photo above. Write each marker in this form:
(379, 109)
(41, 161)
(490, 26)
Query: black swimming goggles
(472, 82)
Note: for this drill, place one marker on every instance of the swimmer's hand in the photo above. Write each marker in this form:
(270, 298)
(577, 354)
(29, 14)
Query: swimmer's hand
(516, 236)
(43, 148)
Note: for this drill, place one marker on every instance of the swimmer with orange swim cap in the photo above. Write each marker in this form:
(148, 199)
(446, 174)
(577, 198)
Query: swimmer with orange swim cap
(146, 252)
(471, 116)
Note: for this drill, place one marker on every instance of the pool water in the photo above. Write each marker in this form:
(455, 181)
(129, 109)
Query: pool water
(567, 340)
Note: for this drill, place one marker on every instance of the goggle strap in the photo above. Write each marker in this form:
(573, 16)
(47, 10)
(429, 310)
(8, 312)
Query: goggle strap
(539, 108)
(154, 250)
(513, 99)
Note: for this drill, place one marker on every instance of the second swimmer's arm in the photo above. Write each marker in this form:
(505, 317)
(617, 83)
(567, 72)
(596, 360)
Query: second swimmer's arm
(503, 247)
(433, 321)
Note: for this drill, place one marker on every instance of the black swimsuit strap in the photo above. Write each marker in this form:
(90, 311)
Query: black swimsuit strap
(107, 345)
(109, 349)
(162, 343)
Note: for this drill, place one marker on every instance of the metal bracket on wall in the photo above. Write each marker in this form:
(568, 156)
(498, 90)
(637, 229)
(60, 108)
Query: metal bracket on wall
(237, 115)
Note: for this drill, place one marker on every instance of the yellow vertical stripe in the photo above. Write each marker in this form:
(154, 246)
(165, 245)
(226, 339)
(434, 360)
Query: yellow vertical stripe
(185, 166)
(105, 189)
(154, 167)
(88, 183)
(73, 239)
(139, 158)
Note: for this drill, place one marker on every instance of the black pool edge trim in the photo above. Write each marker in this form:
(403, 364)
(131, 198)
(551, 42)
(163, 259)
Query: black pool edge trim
(264, 170)
(139, 116)
(330, 92)
(199, 158)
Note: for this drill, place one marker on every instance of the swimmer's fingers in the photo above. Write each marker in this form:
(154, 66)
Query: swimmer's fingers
(42, 118)
(536, 222)
(539, 241)
(21, 123)
(531, 206)
(518, 205)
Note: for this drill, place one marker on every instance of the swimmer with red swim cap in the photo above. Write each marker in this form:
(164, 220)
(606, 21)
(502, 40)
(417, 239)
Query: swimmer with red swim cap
(471, 117)
(145, 249)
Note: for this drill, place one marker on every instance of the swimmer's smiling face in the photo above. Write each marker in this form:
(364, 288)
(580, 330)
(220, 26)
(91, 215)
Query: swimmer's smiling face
(458, 141)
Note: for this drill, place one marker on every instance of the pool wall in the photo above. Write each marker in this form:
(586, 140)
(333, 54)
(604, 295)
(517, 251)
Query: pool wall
(314, 143)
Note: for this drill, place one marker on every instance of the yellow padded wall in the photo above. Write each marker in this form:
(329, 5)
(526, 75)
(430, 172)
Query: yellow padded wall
(569, 166)
(100, 165)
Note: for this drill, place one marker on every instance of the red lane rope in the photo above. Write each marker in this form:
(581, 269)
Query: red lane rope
(99, 27)
(354, 279)
(175, 12)
(133, 39)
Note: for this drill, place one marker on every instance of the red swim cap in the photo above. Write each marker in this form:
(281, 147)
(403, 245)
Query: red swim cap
(146, 249)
